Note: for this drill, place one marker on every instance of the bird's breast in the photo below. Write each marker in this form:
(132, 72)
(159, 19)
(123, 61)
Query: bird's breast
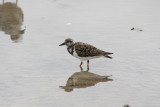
(70, 50)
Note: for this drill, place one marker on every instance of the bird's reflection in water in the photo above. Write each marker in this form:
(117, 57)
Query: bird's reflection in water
(11, 20)
(83, 79)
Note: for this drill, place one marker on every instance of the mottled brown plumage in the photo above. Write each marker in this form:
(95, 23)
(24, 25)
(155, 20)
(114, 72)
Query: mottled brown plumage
(86, 50)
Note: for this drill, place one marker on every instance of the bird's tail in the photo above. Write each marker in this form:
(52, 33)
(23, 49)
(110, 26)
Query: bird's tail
(106, 54)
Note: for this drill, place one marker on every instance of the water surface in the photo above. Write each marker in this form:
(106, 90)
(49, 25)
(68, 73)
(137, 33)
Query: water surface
(34, 70)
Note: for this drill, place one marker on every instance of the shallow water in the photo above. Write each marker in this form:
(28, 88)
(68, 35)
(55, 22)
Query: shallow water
(34, 70)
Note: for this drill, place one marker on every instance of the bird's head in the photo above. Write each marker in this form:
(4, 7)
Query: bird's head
(67, 42)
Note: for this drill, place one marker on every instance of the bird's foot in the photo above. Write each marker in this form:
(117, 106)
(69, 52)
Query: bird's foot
(87, 69)
(81, 69)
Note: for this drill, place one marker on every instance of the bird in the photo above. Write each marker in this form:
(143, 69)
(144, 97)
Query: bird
(84, 51)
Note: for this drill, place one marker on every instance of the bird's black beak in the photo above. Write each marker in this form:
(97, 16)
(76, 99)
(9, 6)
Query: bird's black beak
(62, 44)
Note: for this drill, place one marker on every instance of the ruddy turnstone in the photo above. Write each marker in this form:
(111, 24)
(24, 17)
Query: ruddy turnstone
(84, 51)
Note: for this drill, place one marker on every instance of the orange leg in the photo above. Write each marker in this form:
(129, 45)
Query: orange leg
(81, 66)
(87, 65)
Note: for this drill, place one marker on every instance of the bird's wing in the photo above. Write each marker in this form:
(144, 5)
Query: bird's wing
(86, 50)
